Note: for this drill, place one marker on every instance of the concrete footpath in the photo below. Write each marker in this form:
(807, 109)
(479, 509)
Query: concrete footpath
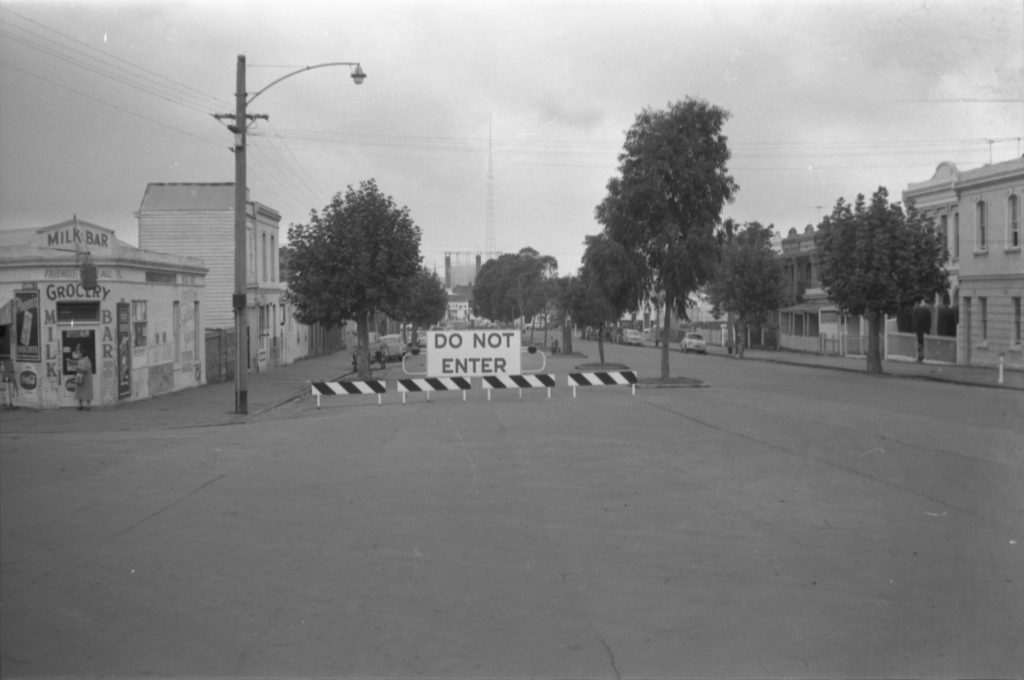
(214, 404)
(963, 375)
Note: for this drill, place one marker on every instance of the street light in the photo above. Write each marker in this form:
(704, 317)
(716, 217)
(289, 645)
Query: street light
(241, 122)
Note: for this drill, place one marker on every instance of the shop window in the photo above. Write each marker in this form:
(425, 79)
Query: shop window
(273, 260)
(264, 253)
(138, 323)
(1012, 222)
(78, 312)
(196, 328)
(981, 227)
(161, 277)
(176, 325)
(956, 236)
(263, 320)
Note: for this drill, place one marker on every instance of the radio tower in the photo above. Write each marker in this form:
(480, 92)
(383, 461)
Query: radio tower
(489, 243)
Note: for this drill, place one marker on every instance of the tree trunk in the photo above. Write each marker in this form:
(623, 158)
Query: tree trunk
(876, 321)
(664, 345)
(730, 343)
(740, 336)
(567, 336)
(363, 348)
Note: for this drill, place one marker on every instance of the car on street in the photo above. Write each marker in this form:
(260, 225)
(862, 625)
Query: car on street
(693, 342)
(393, 347)
(631, 336)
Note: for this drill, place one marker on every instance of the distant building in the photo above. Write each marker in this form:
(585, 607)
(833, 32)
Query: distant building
(458, 304)
(809, 321)
(462, 267)
(198, 220)
(979, 213)
(140, 326)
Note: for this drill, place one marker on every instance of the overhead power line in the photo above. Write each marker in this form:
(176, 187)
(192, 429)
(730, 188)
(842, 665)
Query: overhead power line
(68, 49)
(108, 104)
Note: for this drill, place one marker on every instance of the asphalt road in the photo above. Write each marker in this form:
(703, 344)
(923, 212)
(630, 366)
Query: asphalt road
(780, 522)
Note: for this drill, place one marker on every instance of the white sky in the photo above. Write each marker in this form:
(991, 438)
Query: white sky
(827, 99)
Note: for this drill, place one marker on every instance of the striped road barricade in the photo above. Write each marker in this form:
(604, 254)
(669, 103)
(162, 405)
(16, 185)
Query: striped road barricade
(602, 378)
(377, 387)
(429, 385)
(502, 382)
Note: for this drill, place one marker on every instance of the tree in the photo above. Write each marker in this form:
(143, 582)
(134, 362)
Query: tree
(748, 279)
(513, 286)
(875, 259)
(668, 200)
(611, 282)
(425, 302)
(563, 301)
(354, 258)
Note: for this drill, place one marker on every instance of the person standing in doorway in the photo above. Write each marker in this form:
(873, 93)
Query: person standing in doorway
(83, 379)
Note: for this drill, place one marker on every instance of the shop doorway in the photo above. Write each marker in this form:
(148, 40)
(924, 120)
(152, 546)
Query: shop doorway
(71, 338)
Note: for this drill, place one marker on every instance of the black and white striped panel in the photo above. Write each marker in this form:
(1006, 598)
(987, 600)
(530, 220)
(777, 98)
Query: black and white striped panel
(350, 387)
(513, 381)
(603, 378)
(432, 384)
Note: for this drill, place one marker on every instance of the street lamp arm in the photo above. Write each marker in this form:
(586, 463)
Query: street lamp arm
(358, 75)
(239, 302)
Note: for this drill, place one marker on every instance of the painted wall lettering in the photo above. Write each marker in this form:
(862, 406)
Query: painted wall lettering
(55, 291)
(73, 235)
(73, 273)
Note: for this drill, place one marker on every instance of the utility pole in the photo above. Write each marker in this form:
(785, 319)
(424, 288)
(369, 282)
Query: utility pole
(238, 301)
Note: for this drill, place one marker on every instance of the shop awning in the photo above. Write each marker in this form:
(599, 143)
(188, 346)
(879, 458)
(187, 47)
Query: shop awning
(810, 307)
(7, 313)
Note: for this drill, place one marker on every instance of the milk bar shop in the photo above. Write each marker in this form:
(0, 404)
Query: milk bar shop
(135, 313)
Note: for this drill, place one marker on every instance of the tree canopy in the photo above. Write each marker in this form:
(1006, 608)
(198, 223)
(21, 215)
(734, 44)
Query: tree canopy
(426, 300)
(610, 283)
(748, 279)
(357, 256)
(667, 200)
(513, 286)
(875, 259)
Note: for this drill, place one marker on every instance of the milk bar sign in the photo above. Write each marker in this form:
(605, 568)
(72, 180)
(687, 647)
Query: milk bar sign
(473, 353)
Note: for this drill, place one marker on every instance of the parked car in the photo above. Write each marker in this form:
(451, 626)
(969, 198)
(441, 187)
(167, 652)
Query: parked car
(394, 348)
(693, 342)
(631, 336)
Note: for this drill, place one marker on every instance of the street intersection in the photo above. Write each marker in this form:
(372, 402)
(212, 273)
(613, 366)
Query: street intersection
(778, 522)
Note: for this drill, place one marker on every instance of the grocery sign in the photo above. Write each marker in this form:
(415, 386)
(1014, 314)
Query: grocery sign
(473, 353)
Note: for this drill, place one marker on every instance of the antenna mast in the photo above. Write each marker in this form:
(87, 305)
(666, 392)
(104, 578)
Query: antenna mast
(490, 246)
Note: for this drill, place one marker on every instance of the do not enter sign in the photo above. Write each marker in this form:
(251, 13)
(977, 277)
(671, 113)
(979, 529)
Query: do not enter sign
(473, 353)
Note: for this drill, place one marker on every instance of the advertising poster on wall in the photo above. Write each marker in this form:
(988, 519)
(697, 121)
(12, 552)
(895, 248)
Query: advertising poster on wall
(124, 351)
(27, 325)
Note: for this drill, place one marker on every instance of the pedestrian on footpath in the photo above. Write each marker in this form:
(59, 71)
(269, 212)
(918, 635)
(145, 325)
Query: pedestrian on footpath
(922, 320)
(83, 379)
